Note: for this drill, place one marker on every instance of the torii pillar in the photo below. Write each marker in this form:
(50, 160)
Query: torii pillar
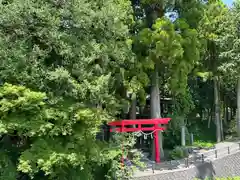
(121, 127)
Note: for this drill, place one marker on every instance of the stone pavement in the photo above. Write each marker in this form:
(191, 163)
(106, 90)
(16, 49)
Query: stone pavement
(222, 167)
(197, 157)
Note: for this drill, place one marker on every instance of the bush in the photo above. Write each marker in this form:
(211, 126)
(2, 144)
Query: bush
(231, 129)
(203, 144)
(178, 153)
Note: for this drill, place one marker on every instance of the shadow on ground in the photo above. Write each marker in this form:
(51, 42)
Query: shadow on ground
(205, 170)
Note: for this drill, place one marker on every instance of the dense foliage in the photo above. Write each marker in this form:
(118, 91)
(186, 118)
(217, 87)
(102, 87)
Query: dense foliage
(61, 65)
(67, 67)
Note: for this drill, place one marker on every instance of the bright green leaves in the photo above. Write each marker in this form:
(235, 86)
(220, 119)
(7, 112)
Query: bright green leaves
(229, 43)
(17, 106)
(167, 40)
(92, 118)
(163, 42)
(212, 30)
(214, 15)
(184, 64)
(27, 113)
(14, 98)
(58, 137)
(204, 75)
(47, 154)
(174, 46)
(71, 57)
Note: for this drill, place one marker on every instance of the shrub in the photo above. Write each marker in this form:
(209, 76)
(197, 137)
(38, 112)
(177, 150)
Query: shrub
(178, 153)
(203, 144)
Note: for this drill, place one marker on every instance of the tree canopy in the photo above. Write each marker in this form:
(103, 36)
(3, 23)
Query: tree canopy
(68, 67)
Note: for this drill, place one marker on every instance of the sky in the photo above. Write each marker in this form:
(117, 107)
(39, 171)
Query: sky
(228, 2)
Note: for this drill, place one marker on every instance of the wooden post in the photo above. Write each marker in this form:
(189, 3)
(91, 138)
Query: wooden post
(157, 150)
(183, 137)
(153, 167)
(187, 162)
(191, 139)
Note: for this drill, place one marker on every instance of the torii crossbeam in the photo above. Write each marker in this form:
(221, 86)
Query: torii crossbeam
(121, 127)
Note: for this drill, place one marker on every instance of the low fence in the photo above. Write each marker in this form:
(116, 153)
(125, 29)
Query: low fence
(211, 155)
(194, 158)
(223, 162)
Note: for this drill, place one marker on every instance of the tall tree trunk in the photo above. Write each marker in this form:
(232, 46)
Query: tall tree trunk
(209, 117)
(155, 106)
(238, 106)
(217, 109)
(221, 126)
(221, 112)
(225, 110)
(152, 13)
(133, 108)
(132, 115)
(231, 113)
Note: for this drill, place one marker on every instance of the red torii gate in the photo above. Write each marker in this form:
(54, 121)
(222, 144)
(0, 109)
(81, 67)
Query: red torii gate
(139, 122)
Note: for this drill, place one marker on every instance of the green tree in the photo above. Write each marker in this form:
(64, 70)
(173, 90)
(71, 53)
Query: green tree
(173, 48)
(211, 30)
(65, 61)
(230, 54)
